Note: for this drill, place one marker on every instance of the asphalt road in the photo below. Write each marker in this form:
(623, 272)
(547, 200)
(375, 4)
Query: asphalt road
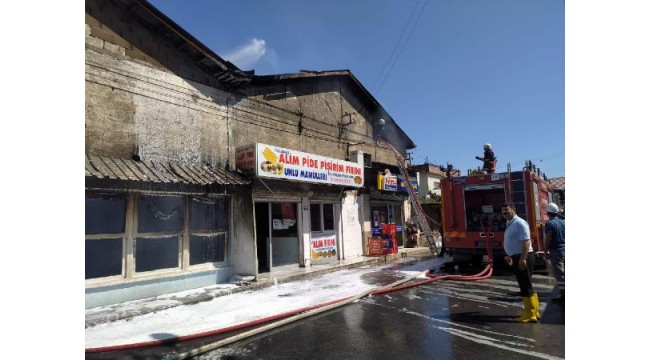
(441, 320)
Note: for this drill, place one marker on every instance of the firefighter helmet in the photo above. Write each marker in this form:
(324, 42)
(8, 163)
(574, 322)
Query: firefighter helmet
(487, 146)
(552, 208)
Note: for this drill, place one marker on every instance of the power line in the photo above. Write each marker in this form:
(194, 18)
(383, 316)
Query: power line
(406, 25)
(403, 46)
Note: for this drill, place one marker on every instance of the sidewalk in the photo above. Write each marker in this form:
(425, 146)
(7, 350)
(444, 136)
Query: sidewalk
(104, 315)
(185, 314)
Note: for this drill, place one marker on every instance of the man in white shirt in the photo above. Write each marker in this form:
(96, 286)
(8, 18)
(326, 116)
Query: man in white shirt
(519, 255)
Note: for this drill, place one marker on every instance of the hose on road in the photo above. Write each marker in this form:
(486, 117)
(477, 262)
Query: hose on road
(290, 316)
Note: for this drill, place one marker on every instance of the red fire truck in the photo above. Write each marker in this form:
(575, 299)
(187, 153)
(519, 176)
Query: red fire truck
(471, 215)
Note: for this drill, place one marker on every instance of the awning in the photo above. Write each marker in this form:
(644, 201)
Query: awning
(114, 173)
(385, 196)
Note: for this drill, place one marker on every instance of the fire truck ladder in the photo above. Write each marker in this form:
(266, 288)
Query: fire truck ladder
(420, 215)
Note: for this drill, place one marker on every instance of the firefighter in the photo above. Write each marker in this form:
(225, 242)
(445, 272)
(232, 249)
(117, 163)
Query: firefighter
(412, 234)
(554, 246)
(489, 160)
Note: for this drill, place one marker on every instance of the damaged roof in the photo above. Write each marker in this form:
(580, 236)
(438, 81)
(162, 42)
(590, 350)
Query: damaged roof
(224, 71)
(108, 172)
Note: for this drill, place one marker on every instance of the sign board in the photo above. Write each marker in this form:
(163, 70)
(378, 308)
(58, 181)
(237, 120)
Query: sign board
(402, 184)
(459, 180)
(390, 183)
(268, 161)
(246, 159)
(374, 246)
(323, 247)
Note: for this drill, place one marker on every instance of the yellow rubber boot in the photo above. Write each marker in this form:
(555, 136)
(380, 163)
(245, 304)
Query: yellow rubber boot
(536, 306)
(530, 312)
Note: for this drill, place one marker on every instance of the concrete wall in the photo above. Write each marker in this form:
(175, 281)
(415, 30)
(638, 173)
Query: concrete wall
(134, 107)
(146, 96)
(113, 294)
(351, 226)
(365, 220)
(244, 254)
(427, 184)
(325, 106)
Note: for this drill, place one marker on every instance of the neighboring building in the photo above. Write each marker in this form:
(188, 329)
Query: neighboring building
(429, 176)
(197, 171)
(557, 191)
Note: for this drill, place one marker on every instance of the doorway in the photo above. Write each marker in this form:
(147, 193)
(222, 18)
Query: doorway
(388, 213)
(277, 234)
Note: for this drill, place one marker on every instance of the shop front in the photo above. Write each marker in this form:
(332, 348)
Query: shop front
(298, 204)
(389, 211)
(157, 231)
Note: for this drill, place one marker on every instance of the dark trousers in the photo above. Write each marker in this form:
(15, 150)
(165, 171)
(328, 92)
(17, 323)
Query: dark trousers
(524, 277)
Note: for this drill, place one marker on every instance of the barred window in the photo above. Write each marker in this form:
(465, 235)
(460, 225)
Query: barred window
(210, 219)
(105, 233)
(159, 234)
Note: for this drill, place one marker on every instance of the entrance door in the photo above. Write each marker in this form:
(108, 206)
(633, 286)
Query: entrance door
(284, 234)
(277, 239)
(387, 213)
(262, 227)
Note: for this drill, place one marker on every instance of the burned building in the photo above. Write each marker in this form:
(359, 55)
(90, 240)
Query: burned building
(197, 171)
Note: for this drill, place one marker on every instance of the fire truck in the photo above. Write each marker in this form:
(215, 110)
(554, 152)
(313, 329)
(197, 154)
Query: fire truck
(471, 217)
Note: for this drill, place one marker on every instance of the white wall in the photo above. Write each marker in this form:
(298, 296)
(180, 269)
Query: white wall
(351, 226)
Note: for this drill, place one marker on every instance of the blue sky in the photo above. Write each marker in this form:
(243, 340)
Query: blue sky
(453, 74)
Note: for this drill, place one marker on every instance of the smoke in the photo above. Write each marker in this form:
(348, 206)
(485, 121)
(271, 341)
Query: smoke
(248, 54)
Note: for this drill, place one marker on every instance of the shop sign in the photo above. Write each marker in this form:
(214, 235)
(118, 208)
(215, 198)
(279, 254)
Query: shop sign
(323, 246)
(402, 185)
(246, 159)
(285, 164)
(390, 183)
(374, 246)
(459, 180)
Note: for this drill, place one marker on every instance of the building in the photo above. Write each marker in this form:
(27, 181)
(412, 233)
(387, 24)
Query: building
(197, 171)
(557, 191)
(429, 176)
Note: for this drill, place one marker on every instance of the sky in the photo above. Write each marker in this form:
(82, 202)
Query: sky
(453, 74)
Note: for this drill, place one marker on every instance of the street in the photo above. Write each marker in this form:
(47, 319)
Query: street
(442, 320)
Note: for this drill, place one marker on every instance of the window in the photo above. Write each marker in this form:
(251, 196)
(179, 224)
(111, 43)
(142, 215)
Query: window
(158, 239)
(322, 217)
(159, 229)
(314, 210)
(328, 217)
(283, 220)
(160, 214)
(154, 253)
(209, 225)
(105, 233)
(436, 185)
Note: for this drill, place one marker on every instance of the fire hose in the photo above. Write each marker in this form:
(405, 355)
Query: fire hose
(290, 316)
